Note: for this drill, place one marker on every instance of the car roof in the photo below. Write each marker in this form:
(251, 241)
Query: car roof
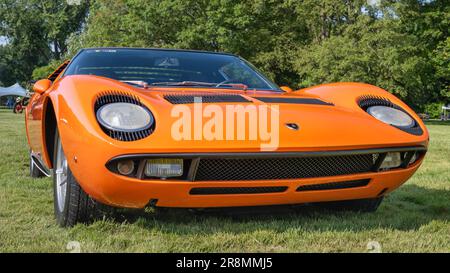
(163, 49)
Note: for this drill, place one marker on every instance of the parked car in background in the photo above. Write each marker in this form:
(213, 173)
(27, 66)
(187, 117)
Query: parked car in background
(424, 116)
(21, 103)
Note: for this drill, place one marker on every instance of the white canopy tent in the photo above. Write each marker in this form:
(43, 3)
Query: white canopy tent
(444, 112)
(14, 90)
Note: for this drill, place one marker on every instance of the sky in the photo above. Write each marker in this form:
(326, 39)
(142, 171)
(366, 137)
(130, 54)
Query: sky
(2, 40)
(373, 2)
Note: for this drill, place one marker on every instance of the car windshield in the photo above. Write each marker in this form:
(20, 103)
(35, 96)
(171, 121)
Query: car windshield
(169, 68)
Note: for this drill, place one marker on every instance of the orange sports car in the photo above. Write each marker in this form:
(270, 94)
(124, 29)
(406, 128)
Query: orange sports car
(126, 127)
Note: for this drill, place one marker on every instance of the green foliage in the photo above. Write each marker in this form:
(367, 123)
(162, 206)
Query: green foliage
(36, 33)
(434, 109)
(376, 53)
(400, 45)
(397, 45)
(441, 62)
(44, 71)
(256, 30)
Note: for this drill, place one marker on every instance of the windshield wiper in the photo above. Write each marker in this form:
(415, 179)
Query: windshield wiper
(184, 83)
(209, 84)
(138, 83)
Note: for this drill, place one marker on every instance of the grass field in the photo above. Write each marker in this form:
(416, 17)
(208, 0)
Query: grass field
(415, 218)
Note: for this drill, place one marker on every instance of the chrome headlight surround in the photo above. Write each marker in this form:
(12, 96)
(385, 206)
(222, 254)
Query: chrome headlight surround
(367, 103)
(128, 117)
(108, 101)
(391, 116)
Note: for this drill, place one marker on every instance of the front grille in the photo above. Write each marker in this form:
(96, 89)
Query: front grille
(233, 169)
(187, 99)
(335, 185)
(275, 166)
(239, 190)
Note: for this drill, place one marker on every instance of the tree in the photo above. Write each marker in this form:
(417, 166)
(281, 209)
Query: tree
(36, 32)
(43, 72)
(399, 45)
(396, 45)
(441, 63)
(264, 32)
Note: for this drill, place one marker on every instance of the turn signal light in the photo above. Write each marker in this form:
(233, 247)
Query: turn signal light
(392, 160)
(125, 167)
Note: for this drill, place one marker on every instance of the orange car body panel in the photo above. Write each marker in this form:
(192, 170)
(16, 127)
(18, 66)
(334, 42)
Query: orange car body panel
(343, 126)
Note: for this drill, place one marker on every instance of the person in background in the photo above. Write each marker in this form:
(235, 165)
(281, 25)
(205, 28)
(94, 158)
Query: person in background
(10, 102)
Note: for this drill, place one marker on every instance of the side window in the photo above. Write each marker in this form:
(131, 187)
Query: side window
(52, 77)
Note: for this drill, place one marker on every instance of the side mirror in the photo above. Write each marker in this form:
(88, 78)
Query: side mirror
(41, 86)
(286, 89)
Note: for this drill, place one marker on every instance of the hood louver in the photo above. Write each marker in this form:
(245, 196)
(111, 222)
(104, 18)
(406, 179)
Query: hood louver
(209, 98)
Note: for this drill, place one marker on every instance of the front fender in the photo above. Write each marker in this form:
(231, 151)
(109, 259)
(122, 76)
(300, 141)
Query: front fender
(346, 94)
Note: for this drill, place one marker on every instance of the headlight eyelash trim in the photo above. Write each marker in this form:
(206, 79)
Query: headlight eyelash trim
(366, 101)
(113, 96)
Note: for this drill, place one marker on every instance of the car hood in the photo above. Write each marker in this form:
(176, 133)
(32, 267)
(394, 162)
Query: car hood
(303, 121)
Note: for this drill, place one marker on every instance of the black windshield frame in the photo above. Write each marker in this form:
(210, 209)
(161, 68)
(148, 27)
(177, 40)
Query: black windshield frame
(268, 84)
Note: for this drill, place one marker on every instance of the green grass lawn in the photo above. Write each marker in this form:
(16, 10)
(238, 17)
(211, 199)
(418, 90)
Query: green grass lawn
(415, 218)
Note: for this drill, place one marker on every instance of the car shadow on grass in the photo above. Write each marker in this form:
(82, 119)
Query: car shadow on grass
(409, 208)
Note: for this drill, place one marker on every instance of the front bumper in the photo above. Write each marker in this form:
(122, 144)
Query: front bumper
(137, 192)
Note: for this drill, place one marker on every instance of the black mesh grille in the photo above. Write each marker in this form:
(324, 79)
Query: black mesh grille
(186, 99)
(240, 190)
(118, 96)
(335, 185)
(282, 168)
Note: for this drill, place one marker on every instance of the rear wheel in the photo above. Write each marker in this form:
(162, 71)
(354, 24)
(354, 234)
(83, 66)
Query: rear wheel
(358, 205)
(71, 203)
(16, 108)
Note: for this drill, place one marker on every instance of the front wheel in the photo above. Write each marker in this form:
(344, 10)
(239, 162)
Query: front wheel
(35, 172)
(72, 205)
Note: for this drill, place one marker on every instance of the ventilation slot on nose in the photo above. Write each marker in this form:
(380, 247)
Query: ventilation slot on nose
(335, 185)
(237, 190)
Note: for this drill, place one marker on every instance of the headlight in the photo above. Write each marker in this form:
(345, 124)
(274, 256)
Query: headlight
(391, 116)
(125, 117)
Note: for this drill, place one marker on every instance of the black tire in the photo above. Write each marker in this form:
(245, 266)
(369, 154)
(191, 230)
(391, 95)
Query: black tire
(357, 205)
(34, 170)
(78, 207)
(15, 111)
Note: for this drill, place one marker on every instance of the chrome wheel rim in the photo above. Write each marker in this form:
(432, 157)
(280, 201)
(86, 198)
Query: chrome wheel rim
(61, 177)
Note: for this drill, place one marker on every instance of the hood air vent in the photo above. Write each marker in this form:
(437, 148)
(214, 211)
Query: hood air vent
(210, 98)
